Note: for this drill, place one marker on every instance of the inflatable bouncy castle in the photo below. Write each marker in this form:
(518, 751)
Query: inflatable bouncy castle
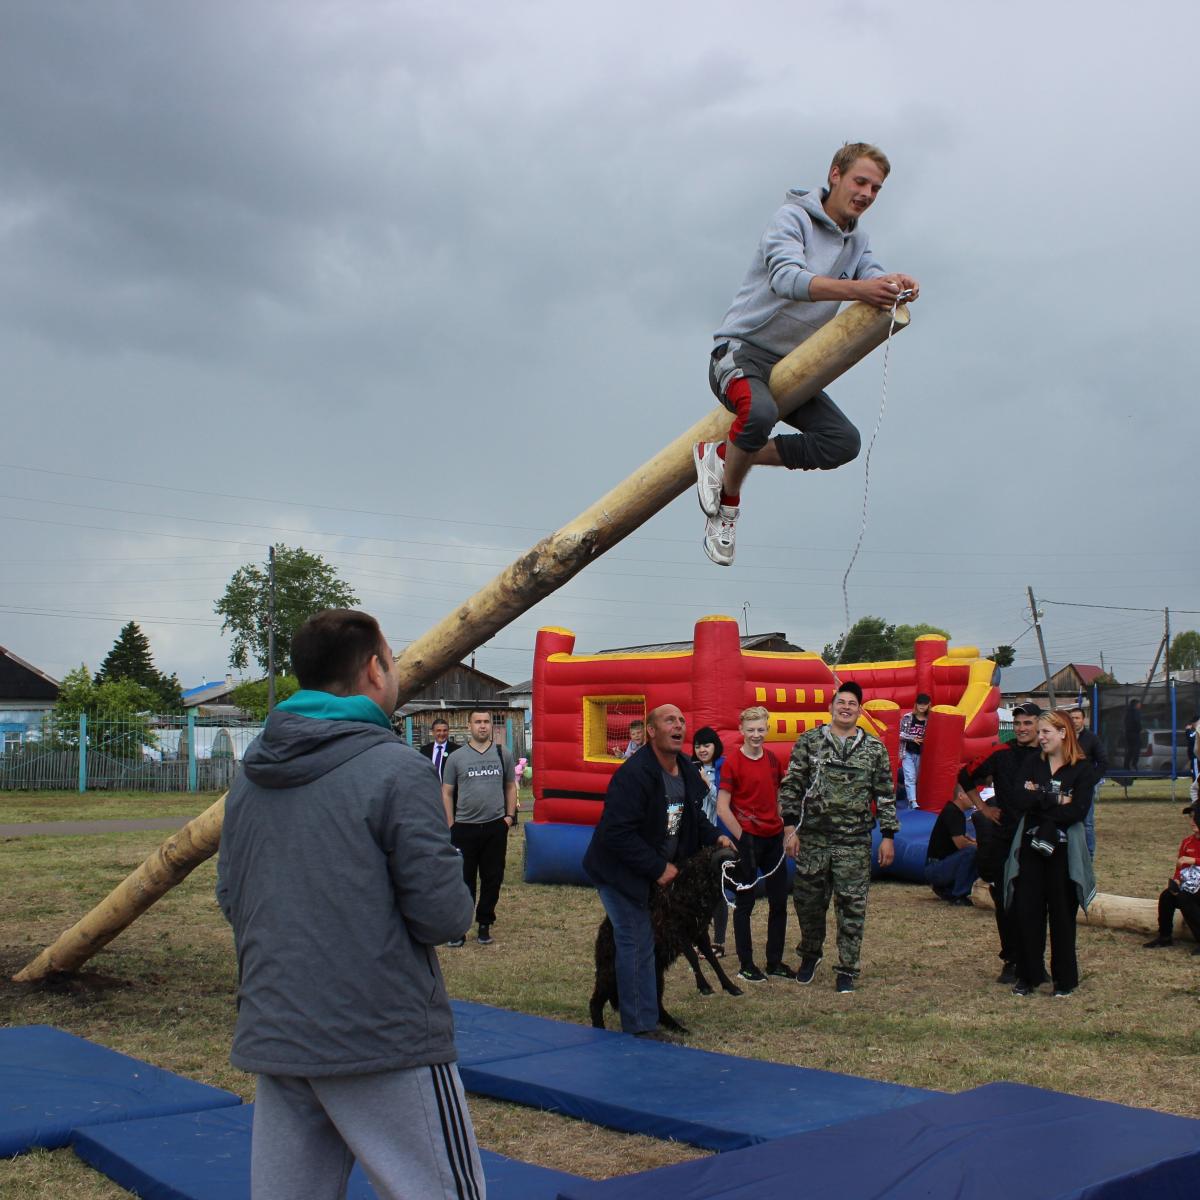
(585, 704)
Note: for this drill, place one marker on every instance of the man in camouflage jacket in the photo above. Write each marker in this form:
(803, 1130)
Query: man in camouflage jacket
(837, 775)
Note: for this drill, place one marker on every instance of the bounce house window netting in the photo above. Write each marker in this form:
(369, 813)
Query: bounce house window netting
(606, 722)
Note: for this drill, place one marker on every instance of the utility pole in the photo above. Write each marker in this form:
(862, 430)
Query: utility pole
(271, 630)
(1042, 647)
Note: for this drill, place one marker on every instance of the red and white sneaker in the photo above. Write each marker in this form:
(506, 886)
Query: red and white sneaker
(710, 473)
(720, 535)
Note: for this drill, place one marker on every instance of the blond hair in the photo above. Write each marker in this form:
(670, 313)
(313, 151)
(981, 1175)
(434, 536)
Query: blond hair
(851, 152)
(757, 713)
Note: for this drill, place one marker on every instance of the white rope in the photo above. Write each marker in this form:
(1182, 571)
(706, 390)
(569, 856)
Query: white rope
(726, 882)
(887, 350)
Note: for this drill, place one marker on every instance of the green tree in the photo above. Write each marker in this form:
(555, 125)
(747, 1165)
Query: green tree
(251, 696)
(116, 711)
(1003, 656)
(1185, 651)
(130, 658)
(304, 584)
(872, 639)
(907, 634)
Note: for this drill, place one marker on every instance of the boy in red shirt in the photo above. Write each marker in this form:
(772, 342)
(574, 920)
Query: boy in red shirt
(748, 804)
(1183, 892)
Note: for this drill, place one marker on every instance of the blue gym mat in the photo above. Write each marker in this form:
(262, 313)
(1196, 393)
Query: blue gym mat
(991, 1143)
(711, 1100)
(52, 1082)
(206, 1156)
(484, 1034)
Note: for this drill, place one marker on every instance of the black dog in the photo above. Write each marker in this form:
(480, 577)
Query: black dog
(679, 914)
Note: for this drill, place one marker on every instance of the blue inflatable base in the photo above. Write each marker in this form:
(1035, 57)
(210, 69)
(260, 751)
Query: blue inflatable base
(52, 1082)
(206, 1156)
(991, 1143)
(554, 853)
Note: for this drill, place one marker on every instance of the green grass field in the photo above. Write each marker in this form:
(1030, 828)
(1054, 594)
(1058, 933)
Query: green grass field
(928, 1011)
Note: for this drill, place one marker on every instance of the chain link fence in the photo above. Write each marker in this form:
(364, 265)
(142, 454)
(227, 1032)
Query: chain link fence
(131, 753)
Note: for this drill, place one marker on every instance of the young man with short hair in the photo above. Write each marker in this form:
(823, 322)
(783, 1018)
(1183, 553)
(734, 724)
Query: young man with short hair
(479, 791)
(337, 875)
(912, 738)
(1093, 747)
(950, 860)
(748, 806)
(837, 778)
(811, 257)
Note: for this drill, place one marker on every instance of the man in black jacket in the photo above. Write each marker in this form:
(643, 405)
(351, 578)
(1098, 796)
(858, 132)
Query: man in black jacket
(442, 746)
(1093, 747)
(653, 818)
(1004, 766)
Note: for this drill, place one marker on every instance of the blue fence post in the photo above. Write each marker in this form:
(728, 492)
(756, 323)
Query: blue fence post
(408, 730)
(508, 741)
(83, 752)
(191, 745)
(1096, 708)
(1174, 734)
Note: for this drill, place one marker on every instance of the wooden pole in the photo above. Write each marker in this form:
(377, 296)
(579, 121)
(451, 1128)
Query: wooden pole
(557, 558)
(1105, 911)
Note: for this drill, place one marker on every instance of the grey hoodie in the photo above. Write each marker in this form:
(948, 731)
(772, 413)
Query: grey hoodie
(338, 877)
(772, 309)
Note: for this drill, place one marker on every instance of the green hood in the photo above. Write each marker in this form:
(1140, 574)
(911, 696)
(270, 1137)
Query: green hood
(325, 706)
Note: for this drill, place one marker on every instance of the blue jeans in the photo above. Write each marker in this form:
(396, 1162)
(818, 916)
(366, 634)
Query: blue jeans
(954, 874)
(911, 764)
(637, 984)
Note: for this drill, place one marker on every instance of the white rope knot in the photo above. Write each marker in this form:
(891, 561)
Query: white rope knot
(726, 882)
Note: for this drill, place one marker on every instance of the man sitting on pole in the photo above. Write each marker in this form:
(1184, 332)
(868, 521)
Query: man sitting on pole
(811, 258)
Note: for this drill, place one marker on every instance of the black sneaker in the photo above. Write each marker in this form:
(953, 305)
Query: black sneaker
(962, 902)
(844, 983)
(1062, 993)
(752, 974)
(718, 949)
(1022, 989)
(1008, 974)
(1158, 940)
(780, 970)
(485, 935)
(454, 943)
(808, 968)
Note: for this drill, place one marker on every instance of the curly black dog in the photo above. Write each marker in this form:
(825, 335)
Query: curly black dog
(679, 914)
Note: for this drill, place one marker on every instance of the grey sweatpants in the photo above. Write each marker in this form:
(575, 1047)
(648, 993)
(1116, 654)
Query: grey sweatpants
(409, 1129)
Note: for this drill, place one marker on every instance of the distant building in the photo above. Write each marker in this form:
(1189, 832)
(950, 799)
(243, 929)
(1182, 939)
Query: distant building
(1029, 682)
(452, 696)
(27, 694)
(212, 699)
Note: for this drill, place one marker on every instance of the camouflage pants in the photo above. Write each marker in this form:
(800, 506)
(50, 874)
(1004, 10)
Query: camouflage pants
(843, 872)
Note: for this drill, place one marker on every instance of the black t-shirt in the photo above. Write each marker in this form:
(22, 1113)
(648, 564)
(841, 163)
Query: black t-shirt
(676, 797)
(951, 823)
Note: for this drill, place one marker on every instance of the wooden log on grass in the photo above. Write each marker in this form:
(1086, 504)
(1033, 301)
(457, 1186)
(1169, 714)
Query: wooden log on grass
(851, 335)
(1107, 911)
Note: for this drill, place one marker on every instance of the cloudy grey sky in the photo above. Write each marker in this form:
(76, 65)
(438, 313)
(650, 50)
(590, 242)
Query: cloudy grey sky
(411, 284)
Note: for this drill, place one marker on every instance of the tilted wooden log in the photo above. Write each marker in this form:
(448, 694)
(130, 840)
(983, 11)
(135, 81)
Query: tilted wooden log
(851, 335)
(1107, 912)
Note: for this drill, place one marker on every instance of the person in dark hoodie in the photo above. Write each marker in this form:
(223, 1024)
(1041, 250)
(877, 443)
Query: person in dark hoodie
(811, 257)
(653, 818)
(337, 875)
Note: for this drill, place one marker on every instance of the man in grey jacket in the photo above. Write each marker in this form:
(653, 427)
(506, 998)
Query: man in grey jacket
(811, 258)
(338, 877)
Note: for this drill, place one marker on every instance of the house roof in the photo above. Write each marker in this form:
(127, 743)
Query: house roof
(1032, 676)
(20, 680)
(749, 642)
(524, 688)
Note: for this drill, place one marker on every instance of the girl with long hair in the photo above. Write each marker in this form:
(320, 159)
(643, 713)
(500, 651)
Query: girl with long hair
(1049, 870)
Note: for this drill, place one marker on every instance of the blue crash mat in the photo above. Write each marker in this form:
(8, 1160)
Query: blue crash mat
(710, 1100)
(992, 1143)
(483, 1033)
(52, 1082)
(206, 1156)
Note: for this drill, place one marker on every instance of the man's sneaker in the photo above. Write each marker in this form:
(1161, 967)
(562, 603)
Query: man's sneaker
(718, 949)
(1062, 993)
(752, 974)
(844, 983)
(962, 902)
(780, 970)
(720, 535)
(1155, 942)
(710, 473)
(454, 943)
(485, 935)
(1023, 990)
(808, 968)
(1009, 974)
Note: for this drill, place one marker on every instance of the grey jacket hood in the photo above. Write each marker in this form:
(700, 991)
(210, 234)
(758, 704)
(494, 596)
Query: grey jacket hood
(294, 750)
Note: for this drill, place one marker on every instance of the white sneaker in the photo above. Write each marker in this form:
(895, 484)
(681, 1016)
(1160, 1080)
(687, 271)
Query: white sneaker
(719, 536)
(710, 473)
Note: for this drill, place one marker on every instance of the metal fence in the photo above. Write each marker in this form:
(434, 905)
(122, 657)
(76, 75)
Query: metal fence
(142, 753)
